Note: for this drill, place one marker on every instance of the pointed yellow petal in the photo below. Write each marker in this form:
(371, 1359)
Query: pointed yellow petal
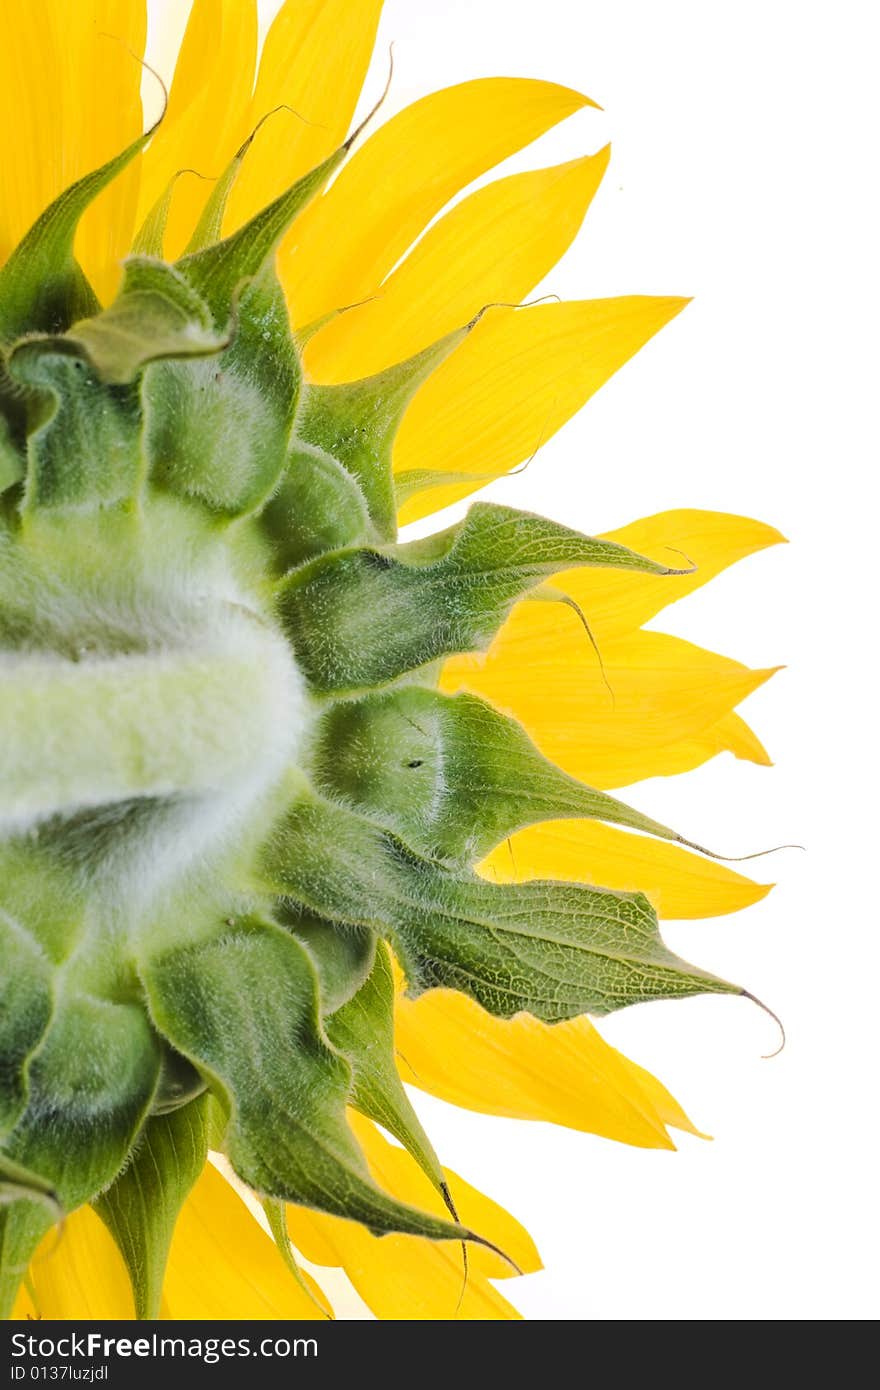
(224, 1265)
(542, 670)
(208, 112)
(566, 1074)
(30, 167)
(78, 1272)
(404, 1277)
(518, 377)
(616, 602)
(494, 246)
(731, 734)
(347, 242)
(680, 884)
(665, 1106)
(314, 60)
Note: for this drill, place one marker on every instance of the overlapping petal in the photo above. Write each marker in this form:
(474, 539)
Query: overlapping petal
(69, 100)
(208, 112)
(494, 246)
(249, 1279)
(77, 1272)
(314, 61)
(565, 1073)
(704, 542)
(680, 884)
(542, 670)
(221, 1265)
(345, 244)
(404, 1277)
(519, 376)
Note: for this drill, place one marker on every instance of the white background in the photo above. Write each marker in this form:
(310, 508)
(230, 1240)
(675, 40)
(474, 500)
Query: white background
(741, 174)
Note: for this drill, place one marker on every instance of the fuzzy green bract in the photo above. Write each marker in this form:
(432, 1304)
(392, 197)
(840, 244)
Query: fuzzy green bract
(229, 788)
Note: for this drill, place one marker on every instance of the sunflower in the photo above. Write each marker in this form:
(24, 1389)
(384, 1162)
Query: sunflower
(294, 811)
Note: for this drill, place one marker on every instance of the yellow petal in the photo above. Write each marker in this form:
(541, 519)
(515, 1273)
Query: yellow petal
(566, 1074)
(542, 669)
(494, 246)
(518, 377)
(208, 112)
(348, 241)
(407, 1278)
(680, 884)
(616, 601)
(30, 166)
(69, 99)
(314, 60)
(101, 44)
(78, 1272)
(224, 1265)
(731, 734)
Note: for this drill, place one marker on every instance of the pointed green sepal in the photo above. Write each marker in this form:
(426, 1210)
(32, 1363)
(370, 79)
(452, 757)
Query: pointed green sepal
(244, 1009)
(276, 1215)
(363, 1031)
(554, 950)
(218, 271)
(412, 481)
(356, 423)
(361, 619)
(451, 775)
(150, 240)
(42, 288)
(140, 1209)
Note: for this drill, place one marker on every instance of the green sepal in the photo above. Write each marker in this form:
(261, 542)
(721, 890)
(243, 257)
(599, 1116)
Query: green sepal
(12, 457)
(555, 950)
(42, 288)
(244, 1009)
(218, 271)
(218, 429)
(140, 1209)
(156, 314)
(361, 619)
(276, 1216)
(83, 412)
(20, 1184)
(317, 507)
(83, 445)
(412, 481)
(42, 891)
(451, 775)
(363, 1031)
(25, 1010)
(150, 240)
(209, 227)
(343, 956)
(81, 1120)
(356, 423)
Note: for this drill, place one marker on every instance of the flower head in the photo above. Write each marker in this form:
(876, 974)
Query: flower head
(275, 782)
